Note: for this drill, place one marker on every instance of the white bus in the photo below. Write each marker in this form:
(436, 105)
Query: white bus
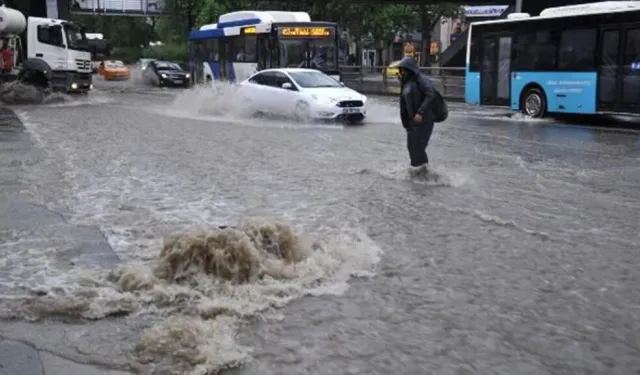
(244, 42)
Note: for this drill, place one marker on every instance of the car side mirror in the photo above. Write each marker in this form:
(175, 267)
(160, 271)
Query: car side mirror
(287, 86)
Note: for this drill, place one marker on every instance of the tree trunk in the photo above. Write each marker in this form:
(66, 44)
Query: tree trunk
(425, 26)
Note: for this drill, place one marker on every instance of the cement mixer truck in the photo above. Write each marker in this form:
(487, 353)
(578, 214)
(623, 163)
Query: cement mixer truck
(52, 54)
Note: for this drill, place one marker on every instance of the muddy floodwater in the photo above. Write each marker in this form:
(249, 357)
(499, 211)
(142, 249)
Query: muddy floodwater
(521, 257)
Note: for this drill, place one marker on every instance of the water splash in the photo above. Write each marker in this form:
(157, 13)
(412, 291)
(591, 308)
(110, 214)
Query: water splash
(19, 93)
(430, 176)
(207, 281)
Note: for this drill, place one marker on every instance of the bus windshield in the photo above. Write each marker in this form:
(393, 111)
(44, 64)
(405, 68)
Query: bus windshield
(315, 54)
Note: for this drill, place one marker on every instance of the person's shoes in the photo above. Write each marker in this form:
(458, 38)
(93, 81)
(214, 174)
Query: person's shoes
(419, 172)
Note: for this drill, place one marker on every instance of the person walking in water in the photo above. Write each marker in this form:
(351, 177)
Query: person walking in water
(417, 98)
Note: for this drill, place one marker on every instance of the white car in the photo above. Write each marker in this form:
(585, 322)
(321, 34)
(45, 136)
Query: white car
(305, 94)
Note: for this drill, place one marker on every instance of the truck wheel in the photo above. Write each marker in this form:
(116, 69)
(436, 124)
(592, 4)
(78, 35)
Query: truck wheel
(34, 78)
(533, 103)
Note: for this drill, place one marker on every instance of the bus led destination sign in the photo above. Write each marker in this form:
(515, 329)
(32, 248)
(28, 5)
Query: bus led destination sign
(249, 30)
(305, 32)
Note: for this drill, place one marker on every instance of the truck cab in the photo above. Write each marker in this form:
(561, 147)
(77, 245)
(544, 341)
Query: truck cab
(57, 56)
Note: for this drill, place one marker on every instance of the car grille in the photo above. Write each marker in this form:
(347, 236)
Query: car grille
(350, 103)
(83, 64)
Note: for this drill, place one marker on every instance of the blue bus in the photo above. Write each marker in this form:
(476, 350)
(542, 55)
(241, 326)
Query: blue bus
(244, 42)
(581, 59)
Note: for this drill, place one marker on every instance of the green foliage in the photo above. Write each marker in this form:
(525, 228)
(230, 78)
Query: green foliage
(128, 55)
(429, 14)
(172, 52)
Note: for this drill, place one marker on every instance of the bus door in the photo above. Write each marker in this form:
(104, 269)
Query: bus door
(268, 52)
(226, 58)
(619, 69)
(198, 59)
(495, 72)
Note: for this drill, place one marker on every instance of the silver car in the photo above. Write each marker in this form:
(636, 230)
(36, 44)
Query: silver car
(142, 63)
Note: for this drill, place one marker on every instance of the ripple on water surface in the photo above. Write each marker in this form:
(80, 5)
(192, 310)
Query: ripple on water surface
(191, 282)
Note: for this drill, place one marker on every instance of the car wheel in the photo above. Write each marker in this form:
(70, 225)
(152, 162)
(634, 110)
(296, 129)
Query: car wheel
(534, 103)
(355, 121)
(302, 112)
(251, 108)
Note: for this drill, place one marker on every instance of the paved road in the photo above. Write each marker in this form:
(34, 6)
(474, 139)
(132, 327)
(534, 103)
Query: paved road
(520, 259)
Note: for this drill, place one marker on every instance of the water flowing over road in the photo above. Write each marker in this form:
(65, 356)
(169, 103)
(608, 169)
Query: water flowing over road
(522, 258)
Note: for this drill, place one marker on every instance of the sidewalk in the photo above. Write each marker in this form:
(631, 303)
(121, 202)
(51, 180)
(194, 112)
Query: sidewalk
(22, 351)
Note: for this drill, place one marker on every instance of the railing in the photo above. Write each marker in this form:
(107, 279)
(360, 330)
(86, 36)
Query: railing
(382, 80)
(118, 6)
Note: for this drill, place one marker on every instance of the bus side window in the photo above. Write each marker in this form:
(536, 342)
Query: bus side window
(545, 50)
(522, 57)
(243, 48)
(250, 48)
(577, 49)
(211, 50)
(262, 52)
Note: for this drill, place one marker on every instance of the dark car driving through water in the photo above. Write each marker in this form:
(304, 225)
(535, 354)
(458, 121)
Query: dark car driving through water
(165, 74)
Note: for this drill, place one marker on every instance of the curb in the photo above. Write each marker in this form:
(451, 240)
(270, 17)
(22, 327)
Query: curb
(83, 246)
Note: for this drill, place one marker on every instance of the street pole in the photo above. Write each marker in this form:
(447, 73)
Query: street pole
(519, 6)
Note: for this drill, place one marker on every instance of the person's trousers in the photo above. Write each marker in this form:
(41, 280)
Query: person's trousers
(417, 142)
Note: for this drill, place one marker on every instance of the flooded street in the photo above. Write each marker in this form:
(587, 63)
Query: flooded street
(522, 258)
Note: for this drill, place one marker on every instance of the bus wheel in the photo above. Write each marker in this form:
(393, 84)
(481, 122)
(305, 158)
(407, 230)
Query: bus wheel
(534, 103)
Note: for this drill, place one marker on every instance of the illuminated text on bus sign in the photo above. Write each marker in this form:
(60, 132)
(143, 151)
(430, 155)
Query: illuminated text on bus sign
(249, 30)
(305, 32)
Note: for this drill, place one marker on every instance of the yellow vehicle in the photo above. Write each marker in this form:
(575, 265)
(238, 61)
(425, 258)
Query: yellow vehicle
(391, 71)
(114, 70)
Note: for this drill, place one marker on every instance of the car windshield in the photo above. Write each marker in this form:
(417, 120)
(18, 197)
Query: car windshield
(114, 64)
(168, 66)
(314, 79)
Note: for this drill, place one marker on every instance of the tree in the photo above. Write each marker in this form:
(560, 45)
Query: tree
(180, 16)
(430, 14)
(388, 20)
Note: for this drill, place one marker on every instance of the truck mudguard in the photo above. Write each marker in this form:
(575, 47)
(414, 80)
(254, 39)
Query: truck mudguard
(38, 66)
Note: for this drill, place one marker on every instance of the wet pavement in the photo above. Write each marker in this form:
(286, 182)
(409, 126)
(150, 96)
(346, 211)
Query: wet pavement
(521, 258)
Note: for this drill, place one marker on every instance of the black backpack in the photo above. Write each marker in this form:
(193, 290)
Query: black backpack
(440, 109)
(439, 106)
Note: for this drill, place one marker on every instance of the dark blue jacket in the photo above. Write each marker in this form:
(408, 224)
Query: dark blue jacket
(417, 95)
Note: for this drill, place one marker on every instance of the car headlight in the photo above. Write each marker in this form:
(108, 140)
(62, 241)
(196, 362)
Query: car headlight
(187, 75)
(163, 75)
